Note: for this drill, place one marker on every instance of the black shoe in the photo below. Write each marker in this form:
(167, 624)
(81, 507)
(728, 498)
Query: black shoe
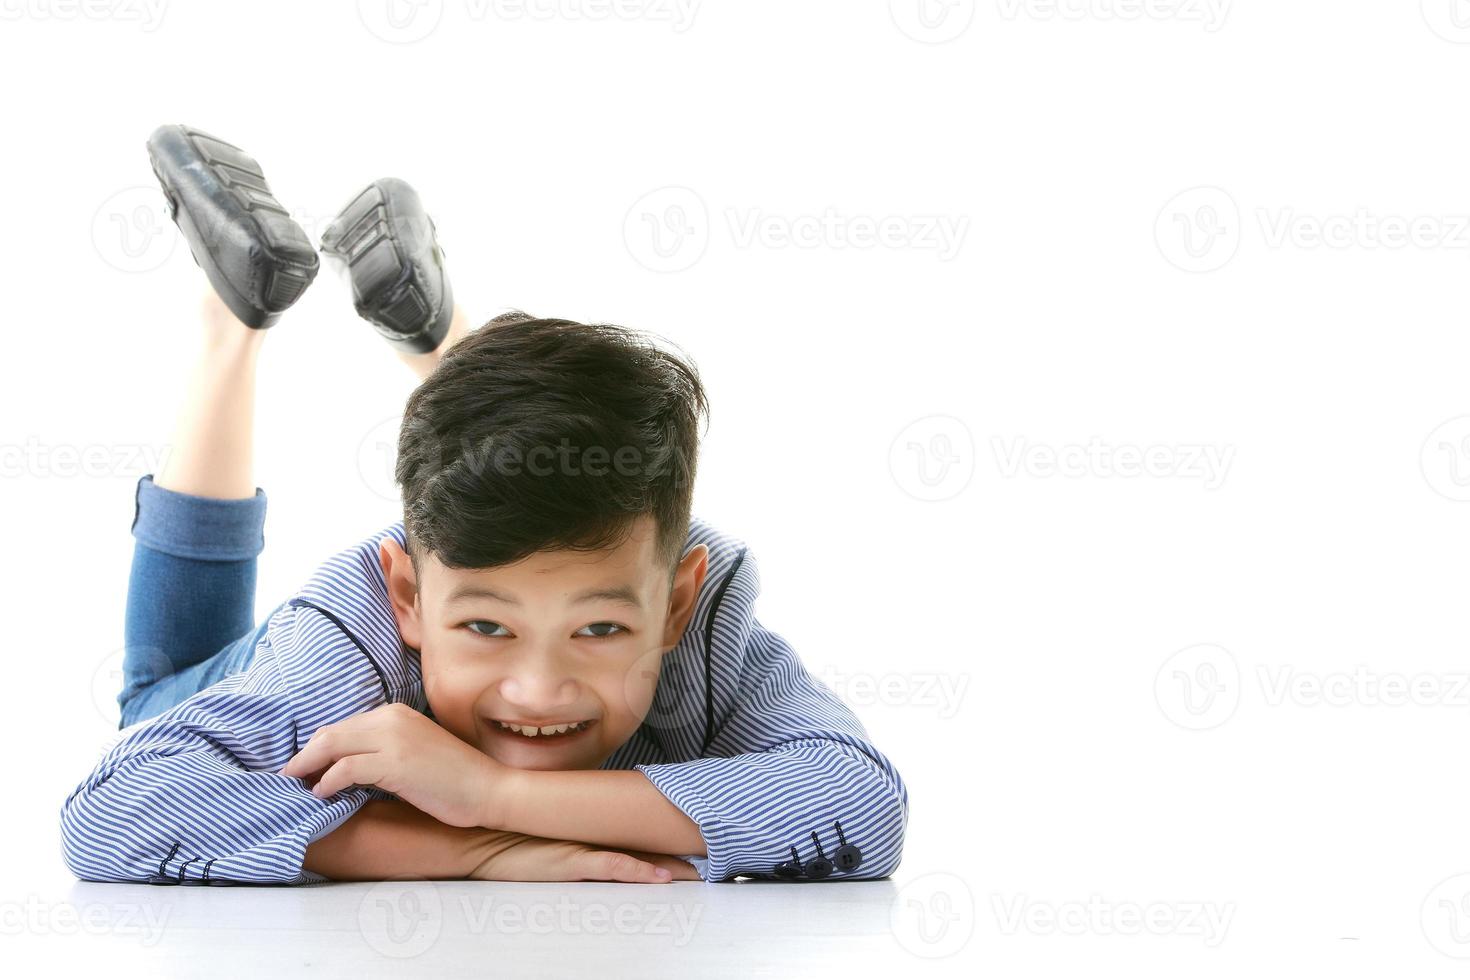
(256, 257)
(397, 267)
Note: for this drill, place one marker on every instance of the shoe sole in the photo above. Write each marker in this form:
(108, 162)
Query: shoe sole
(382, 265)
(234, 183)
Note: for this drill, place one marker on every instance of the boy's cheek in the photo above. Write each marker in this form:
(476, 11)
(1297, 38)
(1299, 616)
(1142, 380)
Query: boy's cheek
(451, 702)
(631, 694)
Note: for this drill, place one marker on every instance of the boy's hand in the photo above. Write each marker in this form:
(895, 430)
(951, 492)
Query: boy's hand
(391, 838)
(405, 753)
(520, 857)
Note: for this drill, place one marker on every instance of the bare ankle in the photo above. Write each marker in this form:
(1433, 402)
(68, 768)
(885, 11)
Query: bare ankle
(223, 330)
(423, 365)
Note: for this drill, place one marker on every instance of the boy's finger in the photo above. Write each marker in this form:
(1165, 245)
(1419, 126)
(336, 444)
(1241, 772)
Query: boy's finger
(321, 750)
(680, 870)
(359, 770)
(621, 866)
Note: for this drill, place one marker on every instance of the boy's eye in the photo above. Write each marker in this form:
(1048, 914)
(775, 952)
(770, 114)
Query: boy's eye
(598, 630)
(599, 626)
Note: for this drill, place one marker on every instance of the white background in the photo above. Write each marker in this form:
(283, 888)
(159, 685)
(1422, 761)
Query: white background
(1231, 231)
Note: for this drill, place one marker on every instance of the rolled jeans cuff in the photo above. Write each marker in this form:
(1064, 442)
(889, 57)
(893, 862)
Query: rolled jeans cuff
(190, 526)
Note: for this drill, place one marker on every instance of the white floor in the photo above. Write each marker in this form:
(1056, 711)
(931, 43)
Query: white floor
(991, 890)
(447, 929)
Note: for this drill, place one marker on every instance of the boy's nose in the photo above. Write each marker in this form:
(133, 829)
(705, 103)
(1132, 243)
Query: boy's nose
(538, 692)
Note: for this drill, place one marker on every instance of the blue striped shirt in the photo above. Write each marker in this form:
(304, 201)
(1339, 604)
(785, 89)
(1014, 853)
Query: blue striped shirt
(740, 737)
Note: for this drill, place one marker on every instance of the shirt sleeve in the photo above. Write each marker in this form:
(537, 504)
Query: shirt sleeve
(789, 758)
(192, 796)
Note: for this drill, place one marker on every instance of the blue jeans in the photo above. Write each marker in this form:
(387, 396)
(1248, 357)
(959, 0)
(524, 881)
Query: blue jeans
(190, 617)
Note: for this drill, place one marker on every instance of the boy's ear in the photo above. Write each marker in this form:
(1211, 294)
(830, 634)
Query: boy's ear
(402, 591)
(688, 577)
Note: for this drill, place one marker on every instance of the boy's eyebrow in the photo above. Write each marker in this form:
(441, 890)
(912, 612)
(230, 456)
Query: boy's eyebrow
(624, 594)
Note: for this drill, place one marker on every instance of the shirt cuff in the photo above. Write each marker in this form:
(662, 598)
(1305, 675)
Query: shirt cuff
(751, 809)
(671, 779)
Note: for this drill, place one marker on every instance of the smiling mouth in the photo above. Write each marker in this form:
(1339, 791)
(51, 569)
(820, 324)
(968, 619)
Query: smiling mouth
(544, 734)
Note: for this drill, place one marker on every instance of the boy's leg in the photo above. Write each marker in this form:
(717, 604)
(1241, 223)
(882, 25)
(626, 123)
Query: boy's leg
(212, 453)
(191, 595)
(199, 522)
(198, 526)
(423, 365)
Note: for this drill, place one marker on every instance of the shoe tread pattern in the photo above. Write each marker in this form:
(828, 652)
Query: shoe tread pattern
(389, 245)
(256, 256)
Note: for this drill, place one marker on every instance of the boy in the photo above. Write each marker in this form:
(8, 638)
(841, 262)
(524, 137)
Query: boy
(547, 670)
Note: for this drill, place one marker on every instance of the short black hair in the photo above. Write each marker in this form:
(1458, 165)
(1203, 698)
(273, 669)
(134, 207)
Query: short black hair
(536, 434)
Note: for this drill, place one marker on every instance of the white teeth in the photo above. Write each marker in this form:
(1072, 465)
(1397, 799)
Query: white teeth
(531, 731)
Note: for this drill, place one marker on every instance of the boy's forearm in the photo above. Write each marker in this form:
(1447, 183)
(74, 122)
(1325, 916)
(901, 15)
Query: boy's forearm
(612, 808)
(388, 838)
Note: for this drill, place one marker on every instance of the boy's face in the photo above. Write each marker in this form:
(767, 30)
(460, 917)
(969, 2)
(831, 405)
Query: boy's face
(558, 637)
